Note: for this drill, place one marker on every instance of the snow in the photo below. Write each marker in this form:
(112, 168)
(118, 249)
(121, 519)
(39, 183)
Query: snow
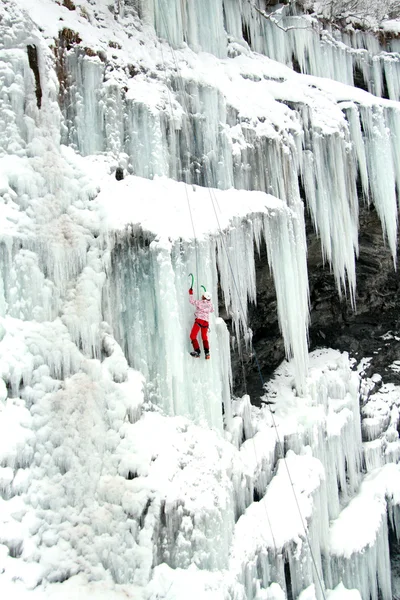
(392, 25)
(150, 205)
(371, 501)
(125, 469)
(76, 587)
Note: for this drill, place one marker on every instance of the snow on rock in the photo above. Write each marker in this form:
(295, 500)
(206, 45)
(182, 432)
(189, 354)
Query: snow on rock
(279, 520)
(380, 420)
(76, 586)
(125, 470)
(366, 547)
(341, 592)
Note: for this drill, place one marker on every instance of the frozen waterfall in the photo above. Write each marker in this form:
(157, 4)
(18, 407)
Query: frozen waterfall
(127, 469)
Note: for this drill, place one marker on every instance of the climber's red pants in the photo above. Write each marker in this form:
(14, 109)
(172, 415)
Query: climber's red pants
(203, 325)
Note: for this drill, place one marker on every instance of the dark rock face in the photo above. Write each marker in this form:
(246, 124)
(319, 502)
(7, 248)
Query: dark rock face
(377, 313)
(34, 65)
(334, 323)
(119, 174)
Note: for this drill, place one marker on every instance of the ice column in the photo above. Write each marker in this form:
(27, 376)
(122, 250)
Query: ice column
(147, 303)
(282, 524)
(379, 427)
(359, 156)
(286, 248)
(333, 431)
(149, 307)
(146, 143)
(283, 231)
(367, 570)
(378, 147)
(203, 145)
(330, 183)
(17, 99)
(199, 23)
(83, 101)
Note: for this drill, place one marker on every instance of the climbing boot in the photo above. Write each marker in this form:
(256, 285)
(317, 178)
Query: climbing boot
(195, 353)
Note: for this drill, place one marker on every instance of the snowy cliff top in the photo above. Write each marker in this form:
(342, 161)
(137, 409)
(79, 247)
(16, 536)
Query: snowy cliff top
(166, 208)
(256, 86)
(393, 26)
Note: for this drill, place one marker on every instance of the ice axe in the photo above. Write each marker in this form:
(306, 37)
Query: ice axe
(191, 285)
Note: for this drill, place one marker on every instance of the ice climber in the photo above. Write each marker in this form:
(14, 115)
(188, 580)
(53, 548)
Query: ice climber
(202, 314)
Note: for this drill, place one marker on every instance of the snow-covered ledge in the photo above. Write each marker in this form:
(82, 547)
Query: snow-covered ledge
(159, 232)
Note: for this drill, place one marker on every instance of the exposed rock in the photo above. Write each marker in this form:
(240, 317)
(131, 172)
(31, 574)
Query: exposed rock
(34, 65)
(372, 330)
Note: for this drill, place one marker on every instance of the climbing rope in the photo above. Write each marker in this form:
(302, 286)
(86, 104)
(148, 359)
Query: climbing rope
(195, 241)
(214, 203)
(180, 84)
(180, 81)
(280, 445)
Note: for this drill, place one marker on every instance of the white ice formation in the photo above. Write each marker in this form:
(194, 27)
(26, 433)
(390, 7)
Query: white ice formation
(127, 470)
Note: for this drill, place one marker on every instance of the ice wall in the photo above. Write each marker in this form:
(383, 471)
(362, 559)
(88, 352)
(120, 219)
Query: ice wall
(200, 127)
(149, 309)
(68, 261)
(119, 474)
(200, 23)
(284, 34)
(146, 296)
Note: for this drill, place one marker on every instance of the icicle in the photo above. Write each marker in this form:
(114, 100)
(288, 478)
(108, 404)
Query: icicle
(334, 432)
(380, 160)
(284, 235)
(364, 562)
(146, 140)
(259, 458)
(200, 24)
(380, 420)
(82, 312)
(278, 532)
(391, 71)
(329, 180)
(367, 570)
(235, 249)
(393, 123)
(295, 39)
(157, 342)
(357, 141)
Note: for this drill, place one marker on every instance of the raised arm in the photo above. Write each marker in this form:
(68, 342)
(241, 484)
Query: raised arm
(191, 299)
